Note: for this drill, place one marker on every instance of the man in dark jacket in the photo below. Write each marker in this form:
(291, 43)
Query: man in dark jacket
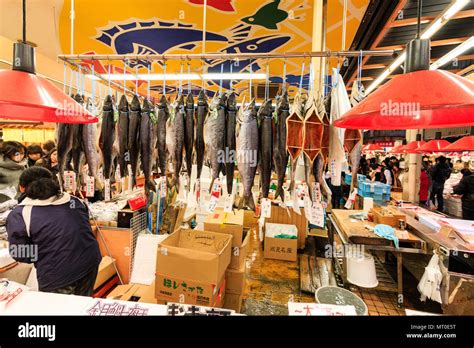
(466, 189)
(439, 174)
(51, 229)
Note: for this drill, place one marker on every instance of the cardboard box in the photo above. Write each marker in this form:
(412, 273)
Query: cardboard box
(235, 280)
(191, 254)
(229, 223)
(173, 289)
(239, 254)
(105, 272)
(233, 302)
(288, 216)
(280, 248)
(134, 293)
(391, 219)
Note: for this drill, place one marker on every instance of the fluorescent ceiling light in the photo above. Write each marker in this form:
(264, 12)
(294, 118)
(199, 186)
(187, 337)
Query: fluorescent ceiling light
(466, 45)
(437, 24)
(234, 76)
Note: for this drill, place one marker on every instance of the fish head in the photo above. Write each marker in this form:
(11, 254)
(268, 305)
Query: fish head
(260, 44)
(202, 98)
(266, 108)
(135, 104)
(223, 100)
(147, 107)
(123, 105)
(78, 98)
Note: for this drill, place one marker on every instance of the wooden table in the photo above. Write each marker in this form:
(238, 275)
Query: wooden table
(350, 231)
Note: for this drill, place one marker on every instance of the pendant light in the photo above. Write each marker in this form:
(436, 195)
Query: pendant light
(420, 98)
(26, 96)
(414, 146)
(435, 145)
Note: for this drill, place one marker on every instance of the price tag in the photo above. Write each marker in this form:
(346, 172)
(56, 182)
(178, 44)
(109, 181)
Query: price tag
(228, 204)
(197, 189)
(307, 207)
(70, 181)
(316, 192)
(107, 190)
(351, 199)
(130, 178)
(317, 215)
(266, 208)
(90, 181)
(212, 204)
(163, 187)
(122, 184)
(261, 222)
(216, 188)
(101, 174)
(117, 171)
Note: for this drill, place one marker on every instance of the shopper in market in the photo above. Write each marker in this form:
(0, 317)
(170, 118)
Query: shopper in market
(424, 184)
(48, 146)
(57, 224)
(35, 152)
(439, 174)
(12, 164)
(387, 172)
(375, 172)
(466, 189)
(50, 162)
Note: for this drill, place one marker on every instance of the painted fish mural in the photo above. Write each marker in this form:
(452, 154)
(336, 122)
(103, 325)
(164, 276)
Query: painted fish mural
(267, 16)
(221, 5)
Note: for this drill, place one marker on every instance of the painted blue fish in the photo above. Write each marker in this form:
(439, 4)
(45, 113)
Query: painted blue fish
(263, 44)
(292, 80)
(153, 37)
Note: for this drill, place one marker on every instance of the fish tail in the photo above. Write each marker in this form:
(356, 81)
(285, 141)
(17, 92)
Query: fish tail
(150, 186)
(249, 202)
(280, 192)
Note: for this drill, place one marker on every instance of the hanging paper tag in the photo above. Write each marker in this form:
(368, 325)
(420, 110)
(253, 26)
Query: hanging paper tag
(296, 203)
(316, 192)
(101, 174)
(351, 199)
(122, 184)
(212, 204)
(117, 171)
(197, 189)
(90, 181)
(70, 181)
(317, 215)
(163, 187)
(228, 204)
(107, 190)
(261, 223)
(266, 208)
(216, 188)
(137, 202)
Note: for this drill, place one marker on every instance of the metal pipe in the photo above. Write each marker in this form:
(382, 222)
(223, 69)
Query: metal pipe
(322, 69)
(231, 56)
(204, 20)
(72, 15)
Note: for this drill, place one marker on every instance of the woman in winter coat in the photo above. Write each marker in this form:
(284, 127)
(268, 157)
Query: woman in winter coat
(54, 227)
(12, 164)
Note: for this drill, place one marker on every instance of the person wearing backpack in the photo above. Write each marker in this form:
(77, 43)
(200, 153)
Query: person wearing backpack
(439, 174)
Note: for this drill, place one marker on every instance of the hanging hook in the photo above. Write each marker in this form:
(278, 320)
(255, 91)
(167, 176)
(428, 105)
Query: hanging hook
(136, 78)
(108, 77)
(220, 81)
(189, 74)
(284, 77)
(231, 80)
(149, 81)
(164, 77)
(125, 75)
(250, 83)
(267, 81)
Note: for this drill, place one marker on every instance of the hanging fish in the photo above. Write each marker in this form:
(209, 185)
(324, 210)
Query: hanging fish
(266, 144)
(280, 153)
(147, 145)
(202, 110)
(214, 135)
(231, 114)
(89, 140)
(134, 135)
(177, 123)
(77, 152)
(163, 115)
(318, 172)
(247, 150)
(65, 139)
(189, 133)
(357, 92)
(123, 124)
(107, 136)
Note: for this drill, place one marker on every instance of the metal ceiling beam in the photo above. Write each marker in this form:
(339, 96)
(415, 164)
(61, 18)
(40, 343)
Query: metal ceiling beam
(445, 42)
(427, 19)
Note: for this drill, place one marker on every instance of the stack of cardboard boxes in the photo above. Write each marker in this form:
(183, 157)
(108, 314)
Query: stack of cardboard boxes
(191, 267)
(232, 224)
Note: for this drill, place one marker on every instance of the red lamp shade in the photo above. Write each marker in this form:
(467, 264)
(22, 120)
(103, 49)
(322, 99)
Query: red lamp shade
(373, 147)
(434, 146)
(28, 97)
(413, 146)
(420, 99)
(397, 149)
(463, 144)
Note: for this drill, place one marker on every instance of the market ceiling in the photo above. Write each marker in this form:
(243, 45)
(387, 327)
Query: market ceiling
(122, 27)
(392, 24)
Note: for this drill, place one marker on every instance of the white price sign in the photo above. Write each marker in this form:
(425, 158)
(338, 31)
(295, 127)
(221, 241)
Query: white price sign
(351, 199)
(163, 187)
(107, 190)
(130, 178)
(317, 215)
(296, 203)
(266, 208)
(212, 204)
(228, 204)
(90, 186)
